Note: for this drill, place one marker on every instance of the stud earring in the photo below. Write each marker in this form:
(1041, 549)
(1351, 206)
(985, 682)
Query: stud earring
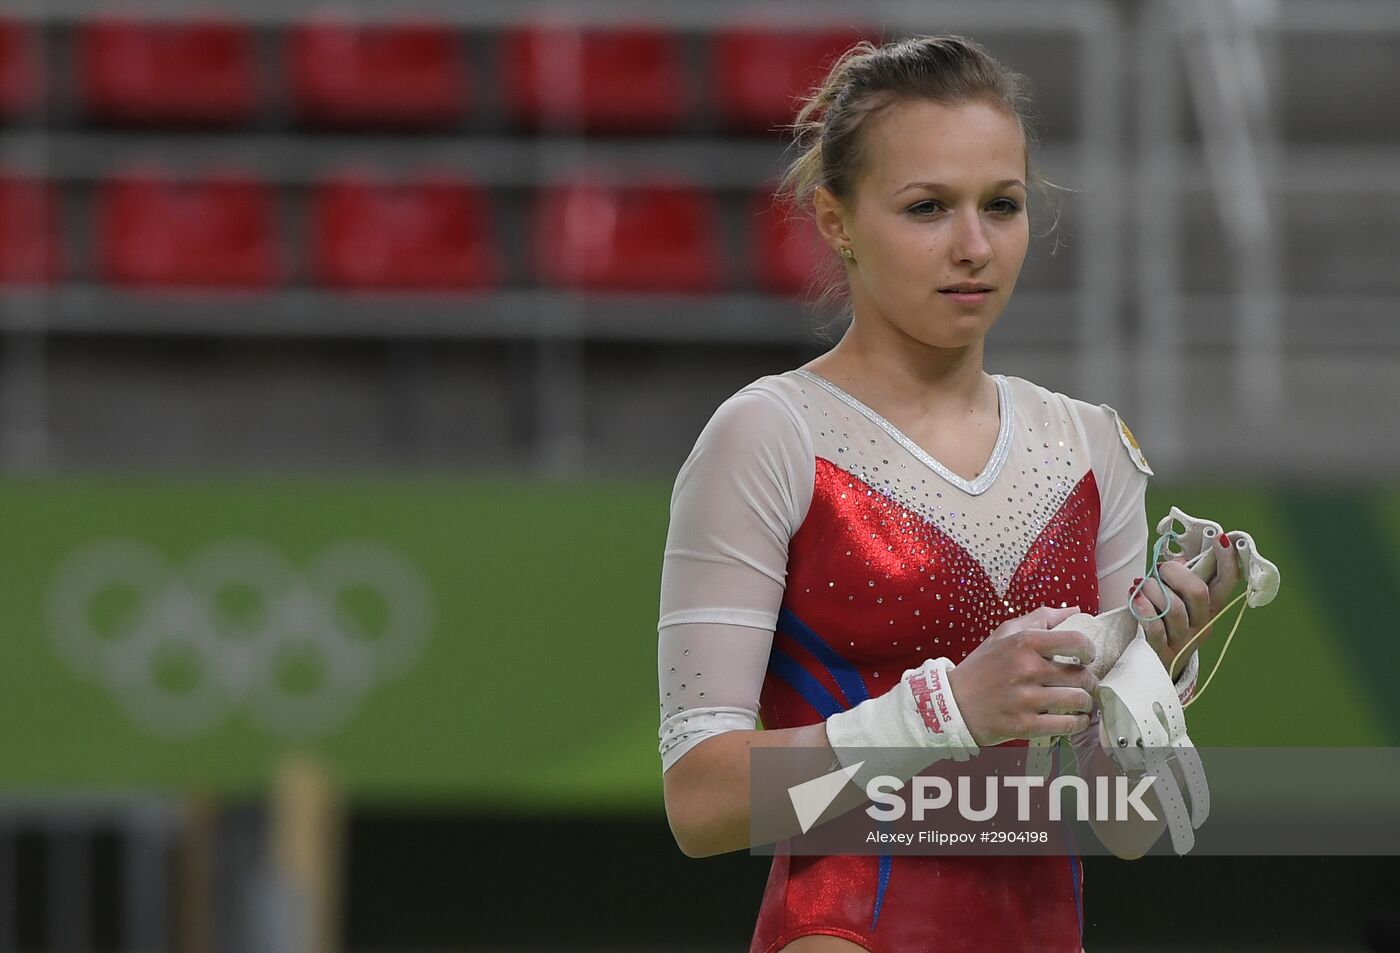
(847, 254)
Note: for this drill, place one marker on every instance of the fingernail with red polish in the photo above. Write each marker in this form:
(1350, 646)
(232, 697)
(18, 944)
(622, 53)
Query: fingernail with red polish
(1224, 539)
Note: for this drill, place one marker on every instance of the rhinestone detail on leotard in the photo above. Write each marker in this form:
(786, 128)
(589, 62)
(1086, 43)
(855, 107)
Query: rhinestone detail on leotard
(989, 473)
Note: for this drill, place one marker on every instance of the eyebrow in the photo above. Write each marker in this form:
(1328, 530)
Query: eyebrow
(938, 185)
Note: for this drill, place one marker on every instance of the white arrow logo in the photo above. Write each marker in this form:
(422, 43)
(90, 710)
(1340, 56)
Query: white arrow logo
(812, 797)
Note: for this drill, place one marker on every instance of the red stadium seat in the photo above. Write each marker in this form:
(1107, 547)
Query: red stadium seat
(594, 79)
(347, 73)
(29, 231)
(218, 231)
(132, 71)
(788, 251)
(432, 233)
(759, 72)
(21, 74)
(652, 237)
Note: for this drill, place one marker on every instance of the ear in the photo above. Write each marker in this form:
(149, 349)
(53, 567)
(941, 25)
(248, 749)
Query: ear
(830, 215)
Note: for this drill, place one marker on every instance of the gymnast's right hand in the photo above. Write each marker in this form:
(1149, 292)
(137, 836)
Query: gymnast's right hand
(1011, 686)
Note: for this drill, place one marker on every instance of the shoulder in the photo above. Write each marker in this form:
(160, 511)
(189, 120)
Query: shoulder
(763, 413)
(1104, 431)
(756, 444)
(1128, 441)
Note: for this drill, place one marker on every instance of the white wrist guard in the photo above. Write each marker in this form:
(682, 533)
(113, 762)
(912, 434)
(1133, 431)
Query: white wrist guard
(903, 731)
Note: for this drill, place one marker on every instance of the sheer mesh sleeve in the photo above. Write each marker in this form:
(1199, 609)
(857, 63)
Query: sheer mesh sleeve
(1122, 542)
(738, 498)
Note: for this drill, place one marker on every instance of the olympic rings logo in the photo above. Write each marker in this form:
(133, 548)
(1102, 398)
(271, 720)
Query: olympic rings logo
(238, 626)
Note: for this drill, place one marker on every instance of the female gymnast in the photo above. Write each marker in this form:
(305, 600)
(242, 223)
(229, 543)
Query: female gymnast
(890, 518)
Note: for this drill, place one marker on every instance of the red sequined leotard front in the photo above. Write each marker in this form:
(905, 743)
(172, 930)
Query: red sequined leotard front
(892, 560)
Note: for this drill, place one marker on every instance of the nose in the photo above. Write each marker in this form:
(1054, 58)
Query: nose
(970, 246)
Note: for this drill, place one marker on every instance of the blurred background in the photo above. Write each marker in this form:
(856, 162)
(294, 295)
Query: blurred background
(348, 352)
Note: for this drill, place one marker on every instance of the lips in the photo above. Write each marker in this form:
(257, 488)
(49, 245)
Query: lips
(967, 294)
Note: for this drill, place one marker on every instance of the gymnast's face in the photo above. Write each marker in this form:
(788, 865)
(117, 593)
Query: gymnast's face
(938, 201)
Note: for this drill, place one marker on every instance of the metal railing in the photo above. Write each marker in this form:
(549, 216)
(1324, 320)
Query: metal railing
(1221, 48)
(147, 828)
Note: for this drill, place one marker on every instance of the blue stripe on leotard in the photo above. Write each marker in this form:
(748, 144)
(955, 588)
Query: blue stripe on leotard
(852, 685)
(1073, 858)
(803, 682)
(841, 670)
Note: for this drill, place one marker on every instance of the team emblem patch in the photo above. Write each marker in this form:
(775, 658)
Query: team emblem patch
(1134, 451)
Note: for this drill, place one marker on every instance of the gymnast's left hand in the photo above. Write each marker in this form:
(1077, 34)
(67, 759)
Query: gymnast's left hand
(1194, 603)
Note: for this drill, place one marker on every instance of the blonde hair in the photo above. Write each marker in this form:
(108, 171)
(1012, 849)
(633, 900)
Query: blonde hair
(863, 81)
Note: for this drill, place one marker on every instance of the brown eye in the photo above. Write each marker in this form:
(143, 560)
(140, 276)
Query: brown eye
(1006, 206)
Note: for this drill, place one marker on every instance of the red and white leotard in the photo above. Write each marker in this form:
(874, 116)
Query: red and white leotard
(815, 553)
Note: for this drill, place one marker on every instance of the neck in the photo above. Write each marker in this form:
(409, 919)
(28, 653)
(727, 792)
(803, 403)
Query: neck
(908, 373)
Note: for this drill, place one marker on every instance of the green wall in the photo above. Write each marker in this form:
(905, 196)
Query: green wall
(533, 684)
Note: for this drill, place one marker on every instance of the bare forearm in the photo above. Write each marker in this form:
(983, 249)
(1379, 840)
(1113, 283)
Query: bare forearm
(707, 790)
